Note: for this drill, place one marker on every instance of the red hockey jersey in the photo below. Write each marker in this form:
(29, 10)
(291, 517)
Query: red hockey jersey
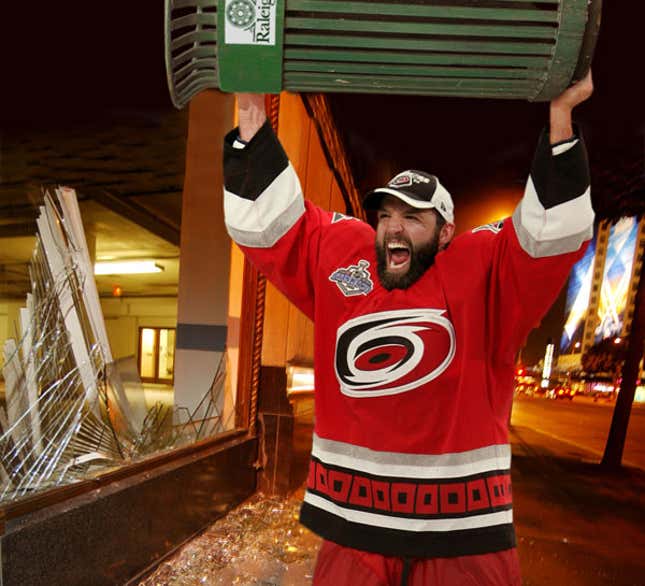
(410, 452)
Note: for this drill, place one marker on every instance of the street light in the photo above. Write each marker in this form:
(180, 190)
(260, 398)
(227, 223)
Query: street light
(548, 364)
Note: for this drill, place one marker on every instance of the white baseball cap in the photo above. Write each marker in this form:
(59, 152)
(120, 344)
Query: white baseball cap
(418, 189)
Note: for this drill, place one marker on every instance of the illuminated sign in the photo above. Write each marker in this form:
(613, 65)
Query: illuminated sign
(616, 278)
(578, 300)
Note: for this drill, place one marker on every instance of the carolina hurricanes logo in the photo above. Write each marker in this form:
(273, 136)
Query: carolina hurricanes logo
(392, 352)
(407, 178)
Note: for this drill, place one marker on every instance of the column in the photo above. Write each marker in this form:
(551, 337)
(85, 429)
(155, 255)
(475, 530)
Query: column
(204, 260)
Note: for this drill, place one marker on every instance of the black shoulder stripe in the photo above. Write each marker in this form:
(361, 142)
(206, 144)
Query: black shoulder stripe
(249, 171)
(560, 178)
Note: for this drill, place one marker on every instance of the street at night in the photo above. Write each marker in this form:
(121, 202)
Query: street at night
(582, 423)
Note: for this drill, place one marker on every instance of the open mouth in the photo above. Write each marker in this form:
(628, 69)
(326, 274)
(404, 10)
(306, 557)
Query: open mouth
(398, 255)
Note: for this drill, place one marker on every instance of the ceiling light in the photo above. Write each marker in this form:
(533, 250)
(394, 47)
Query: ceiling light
(127, 267)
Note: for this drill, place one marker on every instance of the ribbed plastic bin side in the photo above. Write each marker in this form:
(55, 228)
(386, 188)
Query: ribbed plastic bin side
(526, 49)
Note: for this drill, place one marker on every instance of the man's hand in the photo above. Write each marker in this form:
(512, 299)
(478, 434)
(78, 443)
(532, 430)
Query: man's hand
(561, 107)
(251, 114)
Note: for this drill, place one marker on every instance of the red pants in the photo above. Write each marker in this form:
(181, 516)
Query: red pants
(343, 566)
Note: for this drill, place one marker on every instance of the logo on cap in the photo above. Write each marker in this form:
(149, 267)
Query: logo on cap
(407, 178)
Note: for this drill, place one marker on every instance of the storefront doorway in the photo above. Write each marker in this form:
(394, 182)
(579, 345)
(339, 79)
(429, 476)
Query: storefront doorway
(157, 355)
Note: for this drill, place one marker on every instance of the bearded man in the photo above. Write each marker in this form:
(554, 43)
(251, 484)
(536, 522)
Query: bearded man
(416, 335)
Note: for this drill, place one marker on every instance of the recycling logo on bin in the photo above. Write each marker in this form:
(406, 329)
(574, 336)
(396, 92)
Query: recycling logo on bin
(250, 22)
(241, 13)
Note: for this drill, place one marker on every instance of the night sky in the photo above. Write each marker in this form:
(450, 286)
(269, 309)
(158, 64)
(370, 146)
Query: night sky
(66, 63)
(482, 149)
(74, 64)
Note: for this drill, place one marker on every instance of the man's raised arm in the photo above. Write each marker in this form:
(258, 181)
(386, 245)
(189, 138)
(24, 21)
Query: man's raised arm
(552, 224)
(560, 123)
(264, 208)
(555, 215)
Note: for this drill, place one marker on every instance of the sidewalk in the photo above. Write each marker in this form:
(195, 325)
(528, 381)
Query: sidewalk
(576, 526)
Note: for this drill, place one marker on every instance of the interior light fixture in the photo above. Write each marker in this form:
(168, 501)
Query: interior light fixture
(127, 267)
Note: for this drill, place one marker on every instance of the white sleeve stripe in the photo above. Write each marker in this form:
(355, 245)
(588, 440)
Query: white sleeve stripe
(563, 147)
(542, 248)
(569, 217)
(263, 221)
(557, 230)
(271, 233)
(256, 216)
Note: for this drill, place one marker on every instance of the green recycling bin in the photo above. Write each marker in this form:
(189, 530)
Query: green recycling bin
(524, 49)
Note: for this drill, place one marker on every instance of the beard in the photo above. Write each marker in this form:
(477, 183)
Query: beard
(421, 259)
